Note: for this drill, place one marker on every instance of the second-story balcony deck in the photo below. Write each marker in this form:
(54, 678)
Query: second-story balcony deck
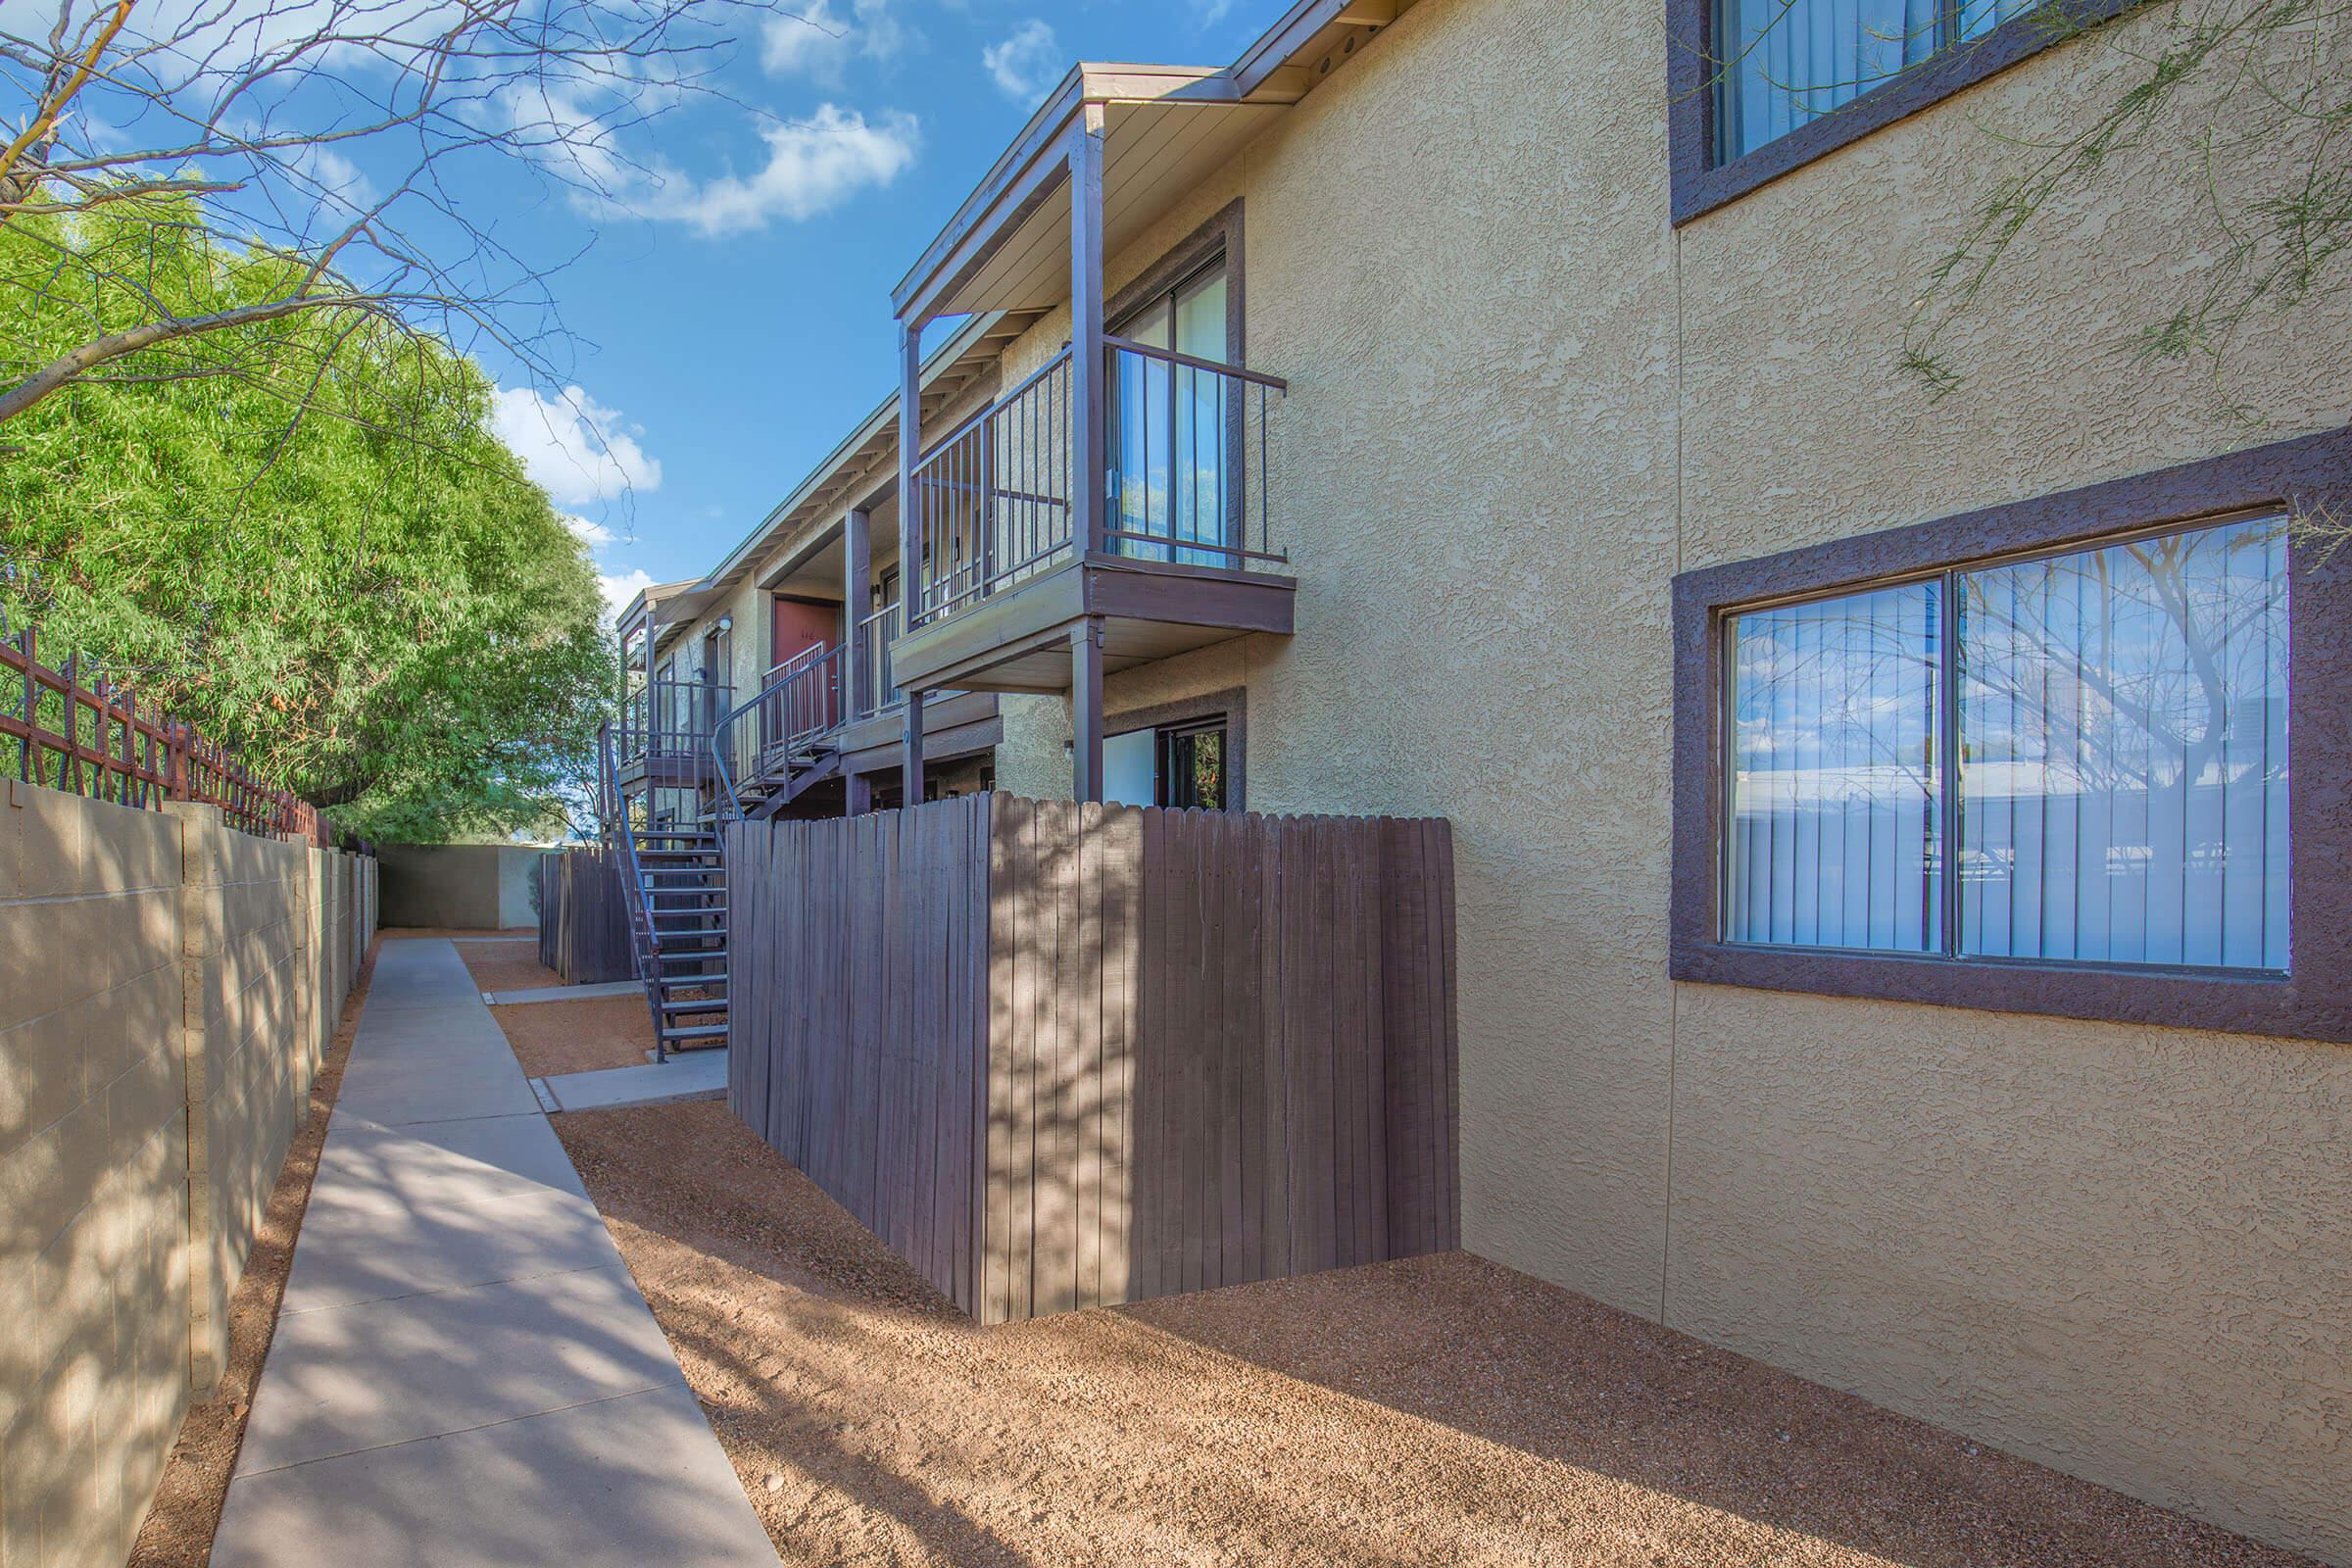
(1184, 555)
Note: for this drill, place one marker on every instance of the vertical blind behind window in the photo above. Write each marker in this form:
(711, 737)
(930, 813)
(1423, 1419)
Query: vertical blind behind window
(1782, 62)
(2119, 794)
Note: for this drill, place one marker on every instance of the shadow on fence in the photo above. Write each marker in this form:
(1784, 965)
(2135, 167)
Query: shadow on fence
(1063, 1056)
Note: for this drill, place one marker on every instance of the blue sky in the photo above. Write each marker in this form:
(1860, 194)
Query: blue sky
(730, 320)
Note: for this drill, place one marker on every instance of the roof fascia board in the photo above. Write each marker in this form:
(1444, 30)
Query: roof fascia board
(1041, 133)
(1275, 46)
(1034, 166)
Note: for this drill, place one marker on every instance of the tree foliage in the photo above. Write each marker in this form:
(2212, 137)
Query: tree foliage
(349, 138)
(311, 547)
(2253, 100)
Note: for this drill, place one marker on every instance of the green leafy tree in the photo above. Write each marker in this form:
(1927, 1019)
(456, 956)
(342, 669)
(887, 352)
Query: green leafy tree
(311, 546)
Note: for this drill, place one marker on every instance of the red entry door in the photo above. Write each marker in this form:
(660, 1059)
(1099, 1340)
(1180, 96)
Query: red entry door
(801, 625)
(814, 701)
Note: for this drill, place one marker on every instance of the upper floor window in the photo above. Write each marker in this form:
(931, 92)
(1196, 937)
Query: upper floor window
(1758, 88)
(2076, 756)
(1787, 62)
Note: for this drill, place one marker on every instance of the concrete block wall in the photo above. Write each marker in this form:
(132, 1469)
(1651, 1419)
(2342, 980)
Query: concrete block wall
(94, 1279)
(167, 986)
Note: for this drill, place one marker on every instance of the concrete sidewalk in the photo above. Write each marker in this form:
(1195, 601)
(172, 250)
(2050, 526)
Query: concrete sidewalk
(464, 1372)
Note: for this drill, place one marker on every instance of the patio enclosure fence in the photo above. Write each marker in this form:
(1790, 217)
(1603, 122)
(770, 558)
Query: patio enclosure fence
(1061, 1056)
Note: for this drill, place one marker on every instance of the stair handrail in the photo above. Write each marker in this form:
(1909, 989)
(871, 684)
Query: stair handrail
(781, 678)
(618, 833)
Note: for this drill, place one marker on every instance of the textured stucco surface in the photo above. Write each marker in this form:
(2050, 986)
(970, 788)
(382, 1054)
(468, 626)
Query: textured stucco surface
(166, 988)
(1520, 403)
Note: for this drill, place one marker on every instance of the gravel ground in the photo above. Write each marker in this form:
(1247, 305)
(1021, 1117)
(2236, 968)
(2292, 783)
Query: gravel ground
(556, 1037)
(177, 1531)
(1439, 1411)
(507, 967)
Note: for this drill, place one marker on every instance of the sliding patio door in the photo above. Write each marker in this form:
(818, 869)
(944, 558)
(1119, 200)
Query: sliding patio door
(1168, 429)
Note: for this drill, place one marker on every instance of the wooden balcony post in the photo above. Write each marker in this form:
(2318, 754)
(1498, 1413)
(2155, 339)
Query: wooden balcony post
(910, 540)
(1086, 709)
(1090, 475)
(856, 575)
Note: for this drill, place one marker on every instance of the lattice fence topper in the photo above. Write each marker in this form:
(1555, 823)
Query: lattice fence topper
(72, 728)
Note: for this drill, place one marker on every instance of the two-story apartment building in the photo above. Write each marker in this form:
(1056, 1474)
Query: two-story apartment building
(1892, 940)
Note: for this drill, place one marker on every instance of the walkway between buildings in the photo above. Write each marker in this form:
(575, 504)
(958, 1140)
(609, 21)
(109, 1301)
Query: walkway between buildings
(464, 1371)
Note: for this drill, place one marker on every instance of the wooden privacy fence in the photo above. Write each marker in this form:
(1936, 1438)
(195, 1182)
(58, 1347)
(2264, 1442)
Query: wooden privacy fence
(1063, 1056)
(583, 918)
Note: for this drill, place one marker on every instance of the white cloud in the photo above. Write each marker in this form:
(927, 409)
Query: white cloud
(1026, 64)
(818, 41)
(621, 587)
(576, 448)
(595, 535)
(814, 166)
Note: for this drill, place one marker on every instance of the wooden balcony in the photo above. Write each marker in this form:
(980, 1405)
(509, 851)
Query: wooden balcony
(1184, 555)
(663, 740)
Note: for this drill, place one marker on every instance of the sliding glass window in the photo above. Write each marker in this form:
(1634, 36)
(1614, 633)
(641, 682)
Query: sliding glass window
(1783, 63)
(2117, 792)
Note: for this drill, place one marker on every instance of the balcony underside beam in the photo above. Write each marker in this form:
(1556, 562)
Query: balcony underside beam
(1018, 640)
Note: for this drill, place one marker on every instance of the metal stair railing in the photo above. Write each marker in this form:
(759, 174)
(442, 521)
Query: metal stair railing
(621, 840)
(801, 704)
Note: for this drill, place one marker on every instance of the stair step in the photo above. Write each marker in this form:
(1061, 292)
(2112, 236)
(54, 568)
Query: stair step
(673, 1034)
(698, 956)
(719, 979)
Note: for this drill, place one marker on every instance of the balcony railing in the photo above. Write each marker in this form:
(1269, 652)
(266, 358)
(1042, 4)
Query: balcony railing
(1184, 451)
(669, 721)
(876, 692)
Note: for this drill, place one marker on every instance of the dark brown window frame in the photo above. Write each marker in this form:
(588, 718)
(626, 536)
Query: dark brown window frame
(2313, 1001)
(1701, 184)
(1230, 705)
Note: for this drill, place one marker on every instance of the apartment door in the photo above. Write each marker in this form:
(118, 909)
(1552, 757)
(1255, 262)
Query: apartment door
(801, 630)
(802, 624)
(1170, 425)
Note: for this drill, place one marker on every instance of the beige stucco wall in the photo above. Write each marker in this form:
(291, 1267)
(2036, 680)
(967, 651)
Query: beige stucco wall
(1520, 403)
(166, 988)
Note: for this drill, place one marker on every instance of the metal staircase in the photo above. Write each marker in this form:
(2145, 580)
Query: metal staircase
(677, 882)
(773, 748)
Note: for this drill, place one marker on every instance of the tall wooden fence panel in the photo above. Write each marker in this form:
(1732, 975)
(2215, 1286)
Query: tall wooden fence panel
(857, 953)
(1064, 1054)
(583, 917)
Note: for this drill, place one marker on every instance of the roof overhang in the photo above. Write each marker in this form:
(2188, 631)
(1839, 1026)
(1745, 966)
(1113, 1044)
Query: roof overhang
(1165, 129)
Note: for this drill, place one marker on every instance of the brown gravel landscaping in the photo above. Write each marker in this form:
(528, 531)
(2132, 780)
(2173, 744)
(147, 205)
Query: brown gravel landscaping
(507, 965)
(595, 1032)
(1438, 1410)
(177, 1531)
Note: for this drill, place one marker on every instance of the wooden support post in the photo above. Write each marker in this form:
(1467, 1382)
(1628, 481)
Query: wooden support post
(1086, 709)
(858, 795)
(912, 559)
(857, 577)
(1088, 471)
